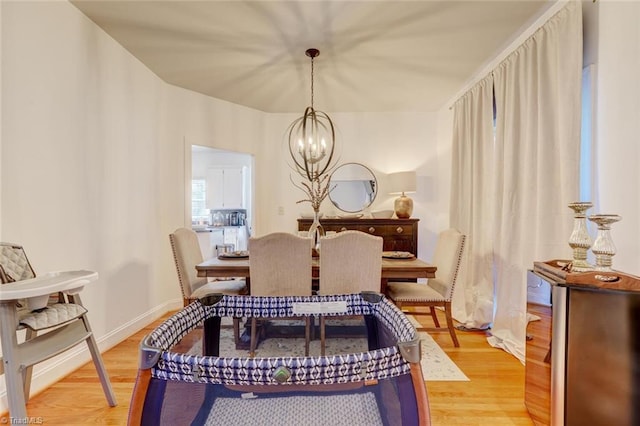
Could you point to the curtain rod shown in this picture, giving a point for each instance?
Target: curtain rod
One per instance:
(492, 65)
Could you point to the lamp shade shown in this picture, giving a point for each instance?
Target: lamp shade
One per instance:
(402, 182)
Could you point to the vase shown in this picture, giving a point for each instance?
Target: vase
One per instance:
(603, 247)
(580, 241)
(316, 231)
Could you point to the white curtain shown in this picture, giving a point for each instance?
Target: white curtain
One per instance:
(472, 205)
(510, 189)
(537, 94)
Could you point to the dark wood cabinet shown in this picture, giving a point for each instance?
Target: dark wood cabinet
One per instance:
(537, 389)
(583, 355)
(397, 234)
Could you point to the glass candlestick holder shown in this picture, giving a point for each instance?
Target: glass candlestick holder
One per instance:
(580, 241)
(603, 247)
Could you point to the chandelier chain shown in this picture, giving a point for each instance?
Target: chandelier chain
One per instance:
(311, 82)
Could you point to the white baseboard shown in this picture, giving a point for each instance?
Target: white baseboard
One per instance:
(49, 372)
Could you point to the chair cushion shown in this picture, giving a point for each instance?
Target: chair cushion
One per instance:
(224, 287)
(51, 316)
(413, 292)
(14, 264)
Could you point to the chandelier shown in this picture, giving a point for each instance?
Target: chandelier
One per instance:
(312, 142)
(312, 139)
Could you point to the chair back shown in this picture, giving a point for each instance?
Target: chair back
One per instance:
(187, 254)
(447, 257)
(350, 262)
(14, 265)
(280, 265)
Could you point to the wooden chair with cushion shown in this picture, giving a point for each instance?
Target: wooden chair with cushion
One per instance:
(280, 265)
(438, 291)
(49, 303)
(187, 254)
(350, 262)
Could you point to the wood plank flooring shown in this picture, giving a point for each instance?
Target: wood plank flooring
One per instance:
(493, 396)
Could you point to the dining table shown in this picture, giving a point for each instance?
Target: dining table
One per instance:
(395, 269)
(400, 269)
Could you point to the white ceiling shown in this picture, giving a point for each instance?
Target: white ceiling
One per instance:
(374, 55)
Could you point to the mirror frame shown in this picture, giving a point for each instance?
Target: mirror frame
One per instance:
(333, 186)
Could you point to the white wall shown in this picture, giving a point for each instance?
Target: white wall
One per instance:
(93, 164)
(618, 126)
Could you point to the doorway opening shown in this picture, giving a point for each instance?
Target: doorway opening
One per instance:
(221, 199)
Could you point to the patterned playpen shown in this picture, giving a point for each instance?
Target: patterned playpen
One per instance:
(382, 386)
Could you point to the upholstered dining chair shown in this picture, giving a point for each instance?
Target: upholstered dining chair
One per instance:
(60, 314)
(438, 291)
(350, 262)
(280, 265)
(186, 255)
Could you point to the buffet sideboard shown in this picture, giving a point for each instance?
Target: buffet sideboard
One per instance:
(397, 234)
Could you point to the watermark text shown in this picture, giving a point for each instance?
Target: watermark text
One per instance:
(22, 420)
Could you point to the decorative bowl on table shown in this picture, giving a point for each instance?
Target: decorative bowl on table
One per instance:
(382, 214)
(398, 255)
(350, 216)
(238, 254)
(310, 215)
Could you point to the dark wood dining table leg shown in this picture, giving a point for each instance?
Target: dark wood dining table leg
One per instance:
(383, 285)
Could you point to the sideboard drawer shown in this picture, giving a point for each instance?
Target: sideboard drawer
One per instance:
(384, 230)
(397, 234)
(333, 228)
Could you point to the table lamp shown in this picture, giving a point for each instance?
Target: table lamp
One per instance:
(403, 183)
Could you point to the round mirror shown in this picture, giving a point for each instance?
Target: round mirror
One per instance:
(353, 187)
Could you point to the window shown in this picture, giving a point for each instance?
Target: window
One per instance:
(199, 211)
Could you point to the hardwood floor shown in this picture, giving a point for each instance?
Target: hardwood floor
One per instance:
(493, 396)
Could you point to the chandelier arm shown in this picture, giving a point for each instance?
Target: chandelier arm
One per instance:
(333, 138)
(309, 126)
(298, 166)
(293, 156)
(309, 172)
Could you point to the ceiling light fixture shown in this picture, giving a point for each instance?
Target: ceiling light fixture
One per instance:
(312, 143)
(312, 137)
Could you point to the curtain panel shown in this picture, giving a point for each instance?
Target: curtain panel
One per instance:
(510, 191)
(471, 204)
(538, 108)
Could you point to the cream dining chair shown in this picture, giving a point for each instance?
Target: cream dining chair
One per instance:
(186, 255)
(350, 262)
(53, 323)
(438, 291)
(280, 265)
